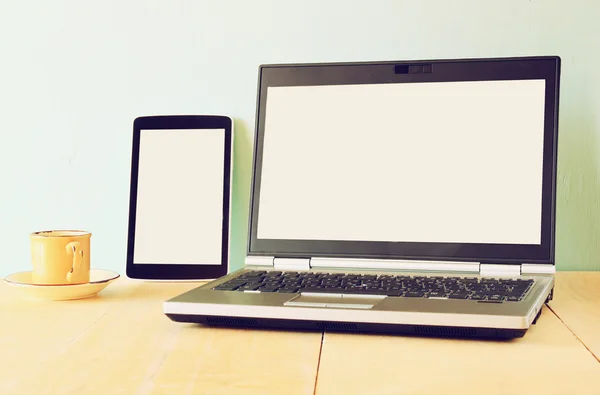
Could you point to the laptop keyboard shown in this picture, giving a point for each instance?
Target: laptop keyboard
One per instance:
(473, 288)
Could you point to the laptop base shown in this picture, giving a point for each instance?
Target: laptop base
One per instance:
(355, 327)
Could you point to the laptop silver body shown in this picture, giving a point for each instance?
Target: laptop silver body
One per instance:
(410, 177)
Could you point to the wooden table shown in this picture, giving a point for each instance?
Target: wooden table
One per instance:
(121, 343)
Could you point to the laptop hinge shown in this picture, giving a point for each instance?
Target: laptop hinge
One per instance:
(489, 269)
(394, 265)
(258, 260)
(537, 268)
(291, 263)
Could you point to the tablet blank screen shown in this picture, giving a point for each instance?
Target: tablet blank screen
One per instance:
(179, 206)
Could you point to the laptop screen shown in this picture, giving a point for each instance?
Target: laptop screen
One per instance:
(381, 168)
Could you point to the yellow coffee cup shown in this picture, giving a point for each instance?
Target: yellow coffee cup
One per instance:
(60, 256)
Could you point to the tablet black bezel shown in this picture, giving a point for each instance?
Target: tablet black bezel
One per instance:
(175, 271)
(540, 67)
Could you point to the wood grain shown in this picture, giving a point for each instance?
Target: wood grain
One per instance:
(577, 303)
(122, 343)
(33, 332)
(548, 360)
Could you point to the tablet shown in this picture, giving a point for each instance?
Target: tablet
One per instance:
(180, 197)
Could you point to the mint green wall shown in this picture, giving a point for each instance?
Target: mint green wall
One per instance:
(73, 76)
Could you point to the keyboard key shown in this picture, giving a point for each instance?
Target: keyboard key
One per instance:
(227, 287)
(249, 287)
(251, 278)
(395, 293)
(459, 296)
(320, 290)
(288, 290)
(414, 294)
(436, 294)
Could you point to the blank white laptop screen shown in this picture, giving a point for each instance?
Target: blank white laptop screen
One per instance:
(456, 162)
(179, 212)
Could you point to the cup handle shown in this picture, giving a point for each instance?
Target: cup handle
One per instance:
(75, 249)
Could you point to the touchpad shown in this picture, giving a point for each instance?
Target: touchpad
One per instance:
(335, 301)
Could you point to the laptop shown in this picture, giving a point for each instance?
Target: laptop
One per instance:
(409, 197)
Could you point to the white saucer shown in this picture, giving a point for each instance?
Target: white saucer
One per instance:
(99, 279)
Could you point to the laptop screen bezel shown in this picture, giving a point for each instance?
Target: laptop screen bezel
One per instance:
(546, 68)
